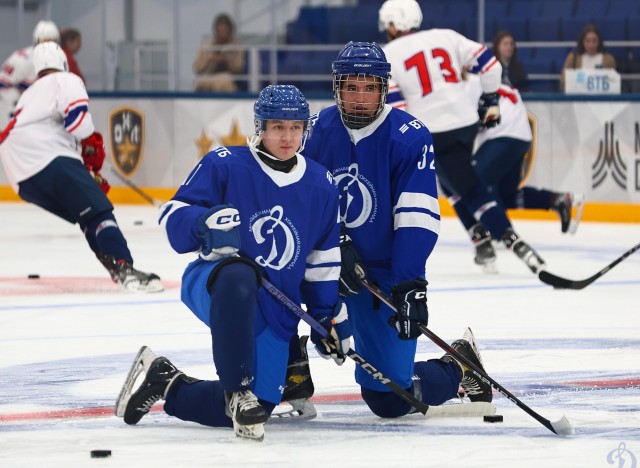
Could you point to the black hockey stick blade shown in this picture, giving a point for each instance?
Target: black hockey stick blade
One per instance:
(565, 283)
(560, 427)
(366, 365)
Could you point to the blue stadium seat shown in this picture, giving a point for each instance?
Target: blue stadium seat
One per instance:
(624, 8)
(591, 9)
(495, 9)
(615, 28)
(544, 29)
(538, 65)
(519, 27)
(570, 28)
(556, 8)
(432, 9)
(524, 9)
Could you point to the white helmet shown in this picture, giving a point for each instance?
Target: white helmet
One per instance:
(48, 55)
(404, 14)
(46, 31)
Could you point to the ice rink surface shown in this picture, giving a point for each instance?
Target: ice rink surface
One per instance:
(68, 338)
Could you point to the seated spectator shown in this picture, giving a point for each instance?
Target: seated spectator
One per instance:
(506, 51)
(216, 63)
(71, 41)
(589, 53)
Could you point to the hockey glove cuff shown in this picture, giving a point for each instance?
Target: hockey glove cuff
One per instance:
(93, 153)
(338, 344)
(352, 270)
(220, 234)
(489, 110)
(410, 299)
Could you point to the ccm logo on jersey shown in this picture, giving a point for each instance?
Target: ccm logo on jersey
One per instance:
(225, 219)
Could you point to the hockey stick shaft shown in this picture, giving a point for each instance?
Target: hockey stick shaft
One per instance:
(367, 366)
(136, 189)
(561, 427)
(564, 283)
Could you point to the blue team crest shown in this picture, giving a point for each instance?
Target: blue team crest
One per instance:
(126, 138)
(278, 237)
(357, 197)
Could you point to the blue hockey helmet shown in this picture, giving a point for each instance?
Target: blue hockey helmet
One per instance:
(280, 102)
(359, 60)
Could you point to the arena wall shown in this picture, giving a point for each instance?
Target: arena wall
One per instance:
(591, 147)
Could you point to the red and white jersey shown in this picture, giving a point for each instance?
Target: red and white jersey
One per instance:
(16, 75)
(51, 117)
(514, 122)
(426, 79)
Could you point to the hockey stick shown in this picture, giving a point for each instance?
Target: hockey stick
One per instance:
(370, 369)
(564, 283)
(137, 189)
(560, 427)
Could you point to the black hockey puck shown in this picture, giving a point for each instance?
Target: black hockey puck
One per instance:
(34, 276)
(100, 453)
(137, 223)
(494, 418)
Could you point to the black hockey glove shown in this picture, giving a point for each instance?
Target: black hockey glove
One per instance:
(220, 234)
(338, 344)
(352, 270)
(488, 110)
(410, 299)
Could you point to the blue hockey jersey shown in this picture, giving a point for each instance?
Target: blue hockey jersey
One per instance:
(387, 184)
(289, 225)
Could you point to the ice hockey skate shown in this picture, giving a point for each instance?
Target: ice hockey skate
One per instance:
(299, 388)
(475, 389)
(524, 251)
(247, 414)
(563, 204)
(485, 255)
(159, 375)
(129, 278)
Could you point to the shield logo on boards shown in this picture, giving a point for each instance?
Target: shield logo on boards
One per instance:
(126, 138)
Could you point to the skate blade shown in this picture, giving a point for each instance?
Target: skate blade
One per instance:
(490, 268)
(578, 204)
(141, 363)
(253, 432)
(302, 409)
(152, 286)
(462, 410)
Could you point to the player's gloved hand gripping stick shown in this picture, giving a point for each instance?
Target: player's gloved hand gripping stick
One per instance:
(560, 427)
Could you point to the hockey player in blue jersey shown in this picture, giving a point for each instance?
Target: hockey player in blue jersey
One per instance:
(249, 211)
(383, 161)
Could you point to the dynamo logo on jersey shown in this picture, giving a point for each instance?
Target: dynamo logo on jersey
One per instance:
(277, 234)
(357, 197)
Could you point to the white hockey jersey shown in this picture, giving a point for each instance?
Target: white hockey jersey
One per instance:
(51, 117)
(16, 75)
(514, 122)
(426, 69)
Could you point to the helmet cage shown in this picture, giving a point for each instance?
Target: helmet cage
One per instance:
(359, 60)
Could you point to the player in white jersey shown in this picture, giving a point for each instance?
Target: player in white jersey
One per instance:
(17, 72)
(52, 156)
(499, 156)
(249, 211)
(426, 67)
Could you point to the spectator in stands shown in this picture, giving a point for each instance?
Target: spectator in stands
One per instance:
(589, 53)
(71, 41)
(219, 58)
(506, 51)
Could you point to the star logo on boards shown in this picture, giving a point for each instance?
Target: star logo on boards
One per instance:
(234, 138)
